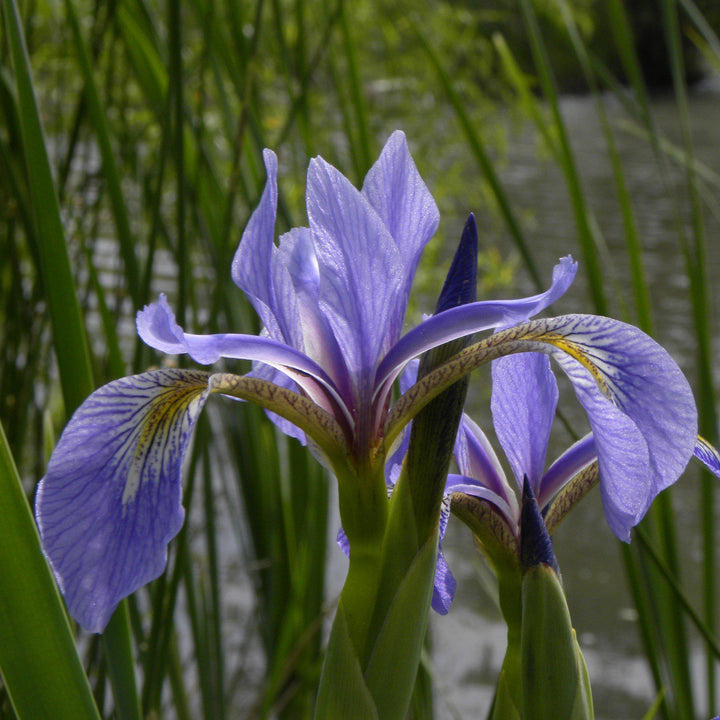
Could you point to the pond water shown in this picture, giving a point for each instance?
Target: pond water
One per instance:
(469, 643)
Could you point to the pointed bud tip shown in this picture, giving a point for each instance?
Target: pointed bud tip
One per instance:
(461, 282)
(535, 543)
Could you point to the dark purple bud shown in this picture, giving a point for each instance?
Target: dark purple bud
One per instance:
(535, 543)
(461, 282)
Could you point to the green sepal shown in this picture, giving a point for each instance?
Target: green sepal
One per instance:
(343, 693)
(395, 656)
(555, 684)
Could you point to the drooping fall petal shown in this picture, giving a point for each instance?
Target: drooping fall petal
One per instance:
(109, 503)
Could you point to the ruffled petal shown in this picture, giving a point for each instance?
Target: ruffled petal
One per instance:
(471, 318)
(524, 399)
(111, 499)
(395, 190)
(361, 276)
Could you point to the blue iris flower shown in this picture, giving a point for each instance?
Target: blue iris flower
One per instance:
(332, 299)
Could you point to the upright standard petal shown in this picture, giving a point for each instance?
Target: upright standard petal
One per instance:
(524, 398)
(297, 254)
(361, 282)
(251, 265)
(111, 499)
(255, 269)
(399, 196)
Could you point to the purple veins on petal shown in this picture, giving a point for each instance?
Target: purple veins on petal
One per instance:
(524, 399)
(640, 406)
(361, 281)
(110, 501)
(643, 381)
(397, 193)
(708, 455)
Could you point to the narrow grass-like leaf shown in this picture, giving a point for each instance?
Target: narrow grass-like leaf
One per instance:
(632, 239)
(38, 660)
(68, 330)
(70, 342)
(477, 147)
(121, 665)
(356, 92)
(110, 171)
(677, 589)
(586, 229)
(697, 264)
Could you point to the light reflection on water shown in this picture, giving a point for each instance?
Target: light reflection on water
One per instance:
(469, 643)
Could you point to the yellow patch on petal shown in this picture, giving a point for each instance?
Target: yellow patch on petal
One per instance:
(163, 416)
(576, 352)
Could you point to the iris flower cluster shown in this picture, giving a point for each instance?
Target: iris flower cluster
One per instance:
(332, 299)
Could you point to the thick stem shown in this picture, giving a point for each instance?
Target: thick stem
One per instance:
(363, 512)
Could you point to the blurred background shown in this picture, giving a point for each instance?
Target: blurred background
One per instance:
(583, 127)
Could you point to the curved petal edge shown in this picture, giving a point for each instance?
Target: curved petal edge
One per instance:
(110, 501)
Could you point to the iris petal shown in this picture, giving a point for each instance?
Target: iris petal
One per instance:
(640, 379)
(398, 194)
(258, 271)
(297, 254)
(627, 484)
(360, 269)
(708, 455)
(476, 459)
(111, 499)
(524, 398)
(473, 317)
(569, 464)
(156, 325)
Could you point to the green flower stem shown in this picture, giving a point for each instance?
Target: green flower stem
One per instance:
(501, 548)
(343, 692)
(510, 681)
(363, 512)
